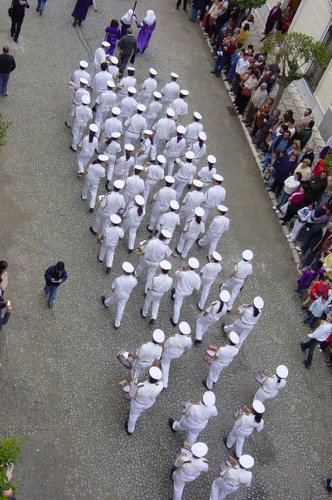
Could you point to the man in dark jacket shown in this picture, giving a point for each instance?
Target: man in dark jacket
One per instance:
(19, 7)
(128, 47)
(316, 187)
(5, 318)
(7, 65)
(54, 276)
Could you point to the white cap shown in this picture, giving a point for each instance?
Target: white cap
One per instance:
(184, 92)
(169, 179)
(246, 461)
(127, 267)
(199, 211)
(212, 159)
(139, 200)
(115, 110)
(153, 72)
(166, 234)
(129, 147)
(184, 328)
(174, 75)
(197, 115)
(86, 99)
(115, 135)
(158, 336)
(84, 81)
(190, 155)
(217, 177)
(282, 371)
(114, 60)
(131, 68)
(157, 95)
(202, 136)
(199, 450)
(155, 373)
(222, 208)
(174, 204)
(93, 127)
(115, 219)
(161, 159)
(147, 132)
(103, 158)
(138, 167)
(84, 64)
(193, 263)
(119, 184)
(247, 255)
(170, 112)
(258, 406)
(132, 90)
(197, 183)
(209, 398)
(164, 264)
(259, 302)
(224, 296)
(141, 107)
(180, 129)
(105, 44)
(217, 256)
(110, 83)
(234, 338)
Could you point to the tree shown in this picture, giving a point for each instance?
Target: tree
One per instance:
(253, 4)
(3, 130)
(10, 453)
(291, 52)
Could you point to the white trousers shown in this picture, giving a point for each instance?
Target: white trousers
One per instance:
(100, 116)
(202, 325)
(110, 168)
(77, 131)
(262, 395)
(241, 329)
(220, 489)
(170, 164)
(296, 229)
(151, 267)
(212, 239)
(115, 299)
(157, 143)
(182, 425)
(178, 301)
(108, 252)
(152, 299)
(165, 366)
(147, 188)
(88, 186)
(130, 138)
(179, 186)
(235, 438)
(234, 285)
(184, 245)
(156, 213)
(136, 409)
(214, 372)
(101, 222)
(178, 485)
(70, 118)
(83, 159)
(132, 231)
(206, 286)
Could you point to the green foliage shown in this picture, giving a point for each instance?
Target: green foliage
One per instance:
(245, 4)
(10, 453)
(3, 130)
(328, 162)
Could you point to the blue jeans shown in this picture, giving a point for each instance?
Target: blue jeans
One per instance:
(220, 63)
(282, 200)
(51, 291)
(4, 77)
(41, 5)
(193, 14)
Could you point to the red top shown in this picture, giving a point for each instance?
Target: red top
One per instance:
(318, 289)
(319, 167)
(297, 197)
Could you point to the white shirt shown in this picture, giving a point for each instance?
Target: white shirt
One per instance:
(192, 468)
(225, 355)
(186, 171)
(147, 393)
(247, 315)
(123, 286)
(114, 70)
(192, 200)
(106, 100)
(125, 83)
(219, 225)
(155, 172)
(88, 147)
(180, 107)
(199, 151)
(144, 148)
(112, 235)
(198, 415)
(100, 80)
(164, 196)
(242, 66)
(176, 345)
(128, 106)
(78, 94)
(242, 269)
(165, 128)
(171, 91)
(156, 251)
(78, 74)
(82, 115)
(153, 110)
(192, 131)
(322, 332)
(111, 125)
(132, 219)
(149, 86)
(161, 284)
(209, 272)
(113, 149)
(271, 385)
(148, 352)
(169, 221)
(100, 57)
(246, 424)
(95, 173)
(192, 229)
(112, 203)
(215, 196)
(214, 314)
(187, 282)
(136, 124)
(205, 174)
(175, 148)
(123, 166)
(134, 185)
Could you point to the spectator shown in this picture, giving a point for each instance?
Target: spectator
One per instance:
(54, 276)
(305, 133)
(306, 278)
(3, 277)
(248, 83)
(316, 310)
(316, 186)
(273, 17)
(5, 318)
(321, 333)
(7, 65)
(257, 100)
(304, 168)
(318, 289)
(291, 184)
(244, 34)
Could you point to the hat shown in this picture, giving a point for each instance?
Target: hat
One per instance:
(86, 99)
(282, 371)
(258, 407)
(110, 83)
(180, 129)
(197, 183)
(161, 159)
(222, 208)
(170, 112)
(147, 132)
(157, 95)
(84, 64)
(155, 373)
(115, 219)
(174, 75)
(139, 200)
(129, 147)
(119, 184)
(174, 205)
(127, 267)
(217, 177)
(138, 167)
(199, 211)
(199, 450)
(132, 90)
(184, 328)
(93, 127)
(103, 158)
(165, 265)
(234, 338)
(209, 398)
(105, 44)
(153, 72)
(217, 256)
(246, 461)
(202, 136)
(197, 115)
(247, 255)
(115, 135)
(212, 159)
(193, 263)
(184, 92)
(190, 155)
(169, 179)
(224, 296)
(166, 234)
(131, 68)
(84, 81)
(259, 302)
(158, 336)
(114, 60)
(141, 107)
(115, 110)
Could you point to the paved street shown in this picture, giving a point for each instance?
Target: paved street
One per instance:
(59, 373)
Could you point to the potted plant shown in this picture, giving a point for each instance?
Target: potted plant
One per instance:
(328, 163)
(10, 453)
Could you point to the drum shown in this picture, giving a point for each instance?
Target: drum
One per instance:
(209, 355)
(261, 376)
(125, 359)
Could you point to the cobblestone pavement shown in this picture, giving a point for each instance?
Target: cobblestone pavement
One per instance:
(58, 369)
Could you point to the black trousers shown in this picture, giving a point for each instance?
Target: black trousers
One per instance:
(16, 27)
(178, 4)
(311, 344)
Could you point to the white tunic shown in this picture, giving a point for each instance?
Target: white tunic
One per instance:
(82, 115)
(106, 100)
(100, 57)
(135, 124)
(218, 226)
(186, 172)
(196, 416)
(209, 272)
(149, 86)
(199, 151)
(114, 70)
(192, 131)
(174, 148)
(170, 92)
(187, 282)
(147, 354)
(134, 185)
(205, 174)
(242, 270)
(180, 108)
(161, 284)
(225, 355)
(246, 424)
(95, 173)
(164, 196)
(165, 128)
(122, 167)
(78, 74)
(168, 221)
(112, 235)
(147, 393)
(128, 106)
(192, 200)
(192, 229)
(124, 84)
(155, 173)
(176, 345)
(131, 218)
(156, 251)
(215, 196)
(152, 112)
(100, 81)
(271, 386)
(78, 94)
(111, 125)
(123, 286)
(112, 203)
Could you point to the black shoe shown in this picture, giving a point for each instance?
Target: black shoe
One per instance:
(150, 230)
(50, 305)
(225, 442)
(74, 23)
(108, 270)
(71, 147)
(213, 72)
(91, 210)
(16, 40)
(101, 261)
(173, 323)
(302, 346)
(170, 423)
(306, 364)
(67, 125)
(79, 23)
(116, 327)
(126, 427)
(92, 230)
(103, 298)
(37, 9)
(204, 383)
(173, 292)
(197, 342)
(177, 251)
(328, 484)
(152, 321)
(130, 250)
(141, 311)
(199, 307)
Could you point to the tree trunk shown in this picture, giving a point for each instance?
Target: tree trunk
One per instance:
(282, 86)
